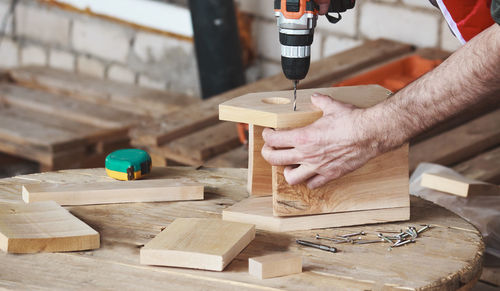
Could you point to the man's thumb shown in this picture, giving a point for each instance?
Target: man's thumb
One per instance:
(325, 103)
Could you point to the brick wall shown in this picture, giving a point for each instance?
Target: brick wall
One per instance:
(45, 35)
(41, 34)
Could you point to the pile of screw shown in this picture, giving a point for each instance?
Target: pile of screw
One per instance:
(401, 238)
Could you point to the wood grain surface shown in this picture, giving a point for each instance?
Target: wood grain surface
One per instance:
(445, 258)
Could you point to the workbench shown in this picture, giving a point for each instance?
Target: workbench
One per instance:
(446, 257)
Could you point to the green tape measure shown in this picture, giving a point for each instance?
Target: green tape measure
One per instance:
(128, 164)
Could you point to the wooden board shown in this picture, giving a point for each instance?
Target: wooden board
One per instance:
(274, 109)
(274, 265)
(330, 69)
(236, 158)
(447, 256)
(460, 143)
(43, 227)
(457, 185)
(260, 175)
(122, 96)
(483, 167)
(258, 210)
(114, 192)
(208, 244)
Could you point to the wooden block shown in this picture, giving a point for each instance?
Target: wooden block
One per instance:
(457, 185)
(259, 211)
(43, 227)
(148, 190)
(198, 243)
(259, 170)
(274, 265)
(381, 183)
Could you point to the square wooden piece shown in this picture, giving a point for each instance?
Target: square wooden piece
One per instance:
(198, 243)
(43, 227)
(275, 265)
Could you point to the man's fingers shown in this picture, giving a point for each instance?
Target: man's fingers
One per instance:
(280, 157)
(328, 105)
(317, 181)
(297, 175)
(280, 138)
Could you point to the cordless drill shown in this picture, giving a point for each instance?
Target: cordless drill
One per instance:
(296, 22)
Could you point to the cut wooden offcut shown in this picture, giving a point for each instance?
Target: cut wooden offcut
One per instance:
(259, 211)
(197, 243)
(43, 227)
(275, 265)
(457, 185)
(152, 190)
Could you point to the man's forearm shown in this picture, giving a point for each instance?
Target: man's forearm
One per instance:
(467, 77)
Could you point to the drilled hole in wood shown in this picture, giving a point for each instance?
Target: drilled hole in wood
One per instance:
(276, 100)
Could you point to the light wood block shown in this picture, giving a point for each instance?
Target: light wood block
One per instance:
(258, 210)
(259, 170)
(457, 185)
(275, 265)
(208, 244)
(380, 184)
(148, 190)
(43, 227)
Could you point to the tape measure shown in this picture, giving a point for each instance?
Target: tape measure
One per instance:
(128, 164)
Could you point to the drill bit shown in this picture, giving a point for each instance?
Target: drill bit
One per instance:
(295, 82)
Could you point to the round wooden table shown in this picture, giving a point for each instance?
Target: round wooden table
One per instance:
(446, 257)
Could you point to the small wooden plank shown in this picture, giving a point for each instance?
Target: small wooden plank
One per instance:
(195, 117)
(208, 244)
(460, 143)
(275, 265)
(381, 183)
(260, 174)
(274, 109)
(236, 158)
(127, 97)
(114, 192)
(259, 211)
(43, 227)
(66, 107)
(483, 167)
(457, 185)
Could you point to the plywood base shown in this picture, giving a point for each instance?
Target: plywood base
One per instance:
(259, 211)
(43, 227)
(148, 190)
(208, 244)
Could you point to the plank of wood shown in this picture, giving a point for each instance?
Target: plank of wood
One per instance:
(236, 158)
(127, 97)
(381, 183)
(274, 109)
(483, 167)
(460, 143)
(43, 227)
(65, 106)
(260, 175)
(196, 117)
(275, 265)
(114, 192)
(208, 244)
(258, 210)
(457, 185)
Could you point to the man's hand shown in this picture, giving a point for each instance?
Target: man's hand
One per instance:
(334, 145)
(323, 6)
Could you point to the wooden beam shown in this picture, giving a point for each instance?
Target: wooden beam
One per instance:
(460, 143)
(195, 117)
(150, 190)
(275, 265)
(208, 244)
(260, 174)
(43, 227)
(457, 185)
(259, 211)
(236, 158)
(484, 167)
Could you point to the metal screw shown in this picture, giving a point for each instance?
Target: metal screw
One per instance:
(426, 227)
(362, 242)
(402, 243)
(385, 238)
(316, 246)
(341, 240)
(353, 234)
